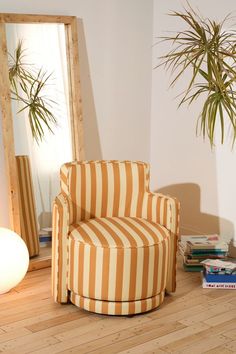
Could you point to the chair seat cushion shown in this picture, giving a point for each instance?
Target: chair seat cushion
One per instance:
(118, 259)
(118, 232)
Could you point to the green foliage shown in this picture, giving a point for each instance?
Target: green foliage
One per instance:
(27, 87)
(209, 52)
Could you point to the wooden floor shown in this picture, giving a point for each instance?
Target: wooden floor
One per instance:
(193, 320)
(43, 260)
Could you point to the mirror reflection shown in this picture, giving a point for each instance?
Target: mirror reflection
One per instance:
(38, 52)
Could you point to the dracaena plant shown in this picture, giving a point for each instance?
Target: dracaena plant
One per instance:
(208, 51)
(28, 86)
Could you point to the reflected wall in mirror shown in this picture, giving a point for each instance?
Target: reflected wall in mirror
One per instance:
(48, 54)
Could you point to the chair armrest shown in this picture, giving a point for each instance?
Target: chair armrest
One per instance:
(60, 230)
(163, 210)
(61, 215)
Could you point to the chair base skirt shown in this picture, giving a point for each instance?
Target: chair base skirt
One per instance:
(117, 307)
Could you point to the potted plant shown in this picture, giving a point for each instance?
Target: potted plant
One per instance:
(208, 52)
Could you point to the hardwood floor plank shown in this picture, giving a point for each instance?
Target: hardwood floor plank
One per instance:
(46, 334)
(177, 345)
(201, 346)
(85, 321)
(14, 295)
(68, 317)
(27, 346)
(6, 336)
(126, 338)
(194, 339)
(227, 297)
(157, 351)
(38, 318)
(219, 350)
(231, 346)
(231, 334)
(222, 329)
(209, 312)
(6, 307)
(170, 308)
(220, 319)
(44, 308)
(24, 306)
(106, 326)
(157, 343)
(233, 301)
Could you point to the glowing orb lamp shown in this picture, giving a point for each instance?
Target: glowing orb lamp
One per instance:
(14, 259)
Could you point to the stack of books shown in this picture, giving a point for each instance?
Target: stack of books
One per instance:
(219, 274)
(45, 237)
(195, 249)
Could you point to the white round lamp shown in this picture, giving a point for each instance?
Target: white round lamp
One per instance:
(14, 259)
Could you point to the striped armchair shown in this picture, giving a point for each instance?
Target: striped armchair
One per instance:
(114, 242)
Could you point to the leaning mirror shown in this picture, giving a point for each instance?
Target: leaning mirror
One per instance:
(41, 119)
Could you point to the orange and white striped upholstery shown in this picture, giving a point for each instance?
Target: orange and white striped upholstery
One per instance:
(114, 242)
(28, 219)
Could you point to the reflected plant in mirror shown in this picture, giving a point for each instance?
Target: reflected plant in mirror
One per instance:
(27, 87)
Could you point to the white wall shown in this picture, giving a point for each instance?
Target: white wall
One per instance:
(183, 164)
(115, 74)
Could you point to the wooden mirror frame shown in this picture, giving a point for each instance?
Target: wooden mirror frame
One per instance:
(75, 102)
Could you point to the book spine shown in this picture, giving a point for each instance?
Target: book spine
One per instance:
(198, 251)
(45, 244)
(219, 285)
(45, 238)
(219, 278)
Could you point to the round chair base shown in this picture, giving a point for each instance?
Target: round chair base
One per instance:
(117, 307)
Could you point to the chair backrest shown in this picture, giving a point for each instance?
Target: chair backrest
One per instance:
(104, 188)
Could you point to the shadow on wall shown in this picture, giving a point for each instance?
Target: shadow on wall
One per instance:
(192, 220)
(91, 135)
